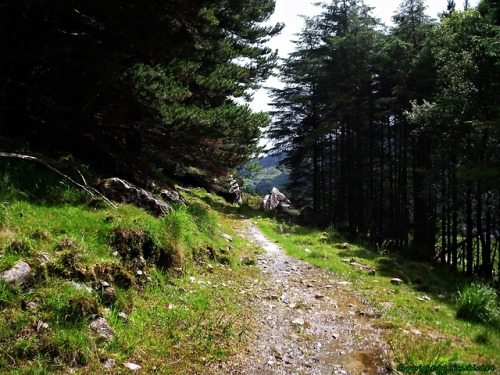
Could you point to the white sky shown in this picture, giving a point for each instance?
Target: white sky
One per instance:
(289, 11)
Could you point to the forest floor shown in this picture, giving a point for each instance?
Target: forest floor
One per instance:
(308, 320)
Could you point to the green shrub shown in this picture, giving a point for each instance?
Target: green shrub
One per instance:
(478, 303)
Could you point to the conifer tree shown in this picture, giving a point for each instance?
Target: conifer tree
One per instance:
(121, 82)
(464, 117)
(395, 136)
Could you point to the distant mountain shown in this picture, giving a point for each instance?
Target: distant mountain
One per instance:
(271, 175)
(269, 161)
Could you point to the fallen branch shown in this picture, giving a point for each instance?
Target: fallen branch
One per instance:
(85, 187)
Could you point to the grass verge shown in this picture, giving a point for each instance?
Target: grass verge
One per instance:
(167, 288)
(419, 317)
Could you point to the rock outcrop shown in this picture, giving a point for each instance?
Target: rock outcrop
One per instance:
(102, 329)
(272, 200)
(369, 270)
(121, 191)
(19, 276)
(229, 188)
(235, 189)
(277, 201)
(396, 281)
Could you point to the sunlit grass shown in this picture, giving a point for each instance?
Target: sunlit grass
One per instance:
(419, 316)
(478, 303)
(180, 313)
(173, 317)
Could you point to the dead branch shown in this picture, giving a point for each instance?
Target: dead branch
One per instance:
(85, 187)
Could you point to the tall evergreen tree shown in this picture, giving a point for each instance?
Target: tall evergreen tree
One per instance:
(450, 8)
(296, 118)
(396, 136)
(127, 81)
(334, 69)
(413, 81)
(464, 117)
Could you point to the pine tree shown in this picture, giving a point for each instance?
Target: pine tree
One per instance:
(413, 81)
(297, 116)
(120, 82)
(324, 117)
(464, 117)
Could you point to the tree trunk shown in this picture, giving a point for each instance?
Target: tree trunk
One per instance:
(454, 225)
(444, 217)
(469, 224)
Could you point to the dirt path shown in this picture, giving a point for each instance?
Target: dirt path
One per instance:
(309, 322)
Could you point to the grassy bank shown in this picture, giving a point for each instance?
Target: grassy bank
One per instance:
(175, 284)
(418, 317)
(180, 289)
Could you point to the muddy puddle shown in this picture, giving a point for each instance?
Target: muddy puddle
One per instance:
(309, 321)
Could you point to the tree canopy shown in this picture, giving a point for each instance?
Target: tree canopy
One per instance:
(156, 83)
(394, 133)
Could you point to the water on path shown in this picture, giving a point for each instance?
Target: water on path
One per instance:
(310, 322)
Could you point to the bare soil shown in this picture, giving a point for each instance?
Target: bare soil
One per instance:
(307, 321)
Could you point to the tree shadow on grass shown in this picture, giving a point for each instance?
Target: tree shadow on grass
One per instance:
(434, 280)
(238, 212)
(429, 278)
(357, 253)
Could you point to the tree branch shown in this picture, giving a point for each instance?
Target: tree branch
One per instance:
(85, 187)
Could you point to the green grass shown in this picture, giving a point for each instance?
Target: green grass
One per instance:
(24, 180)
(6, 294)
(419, 318)
(478, 303)
(183, 310)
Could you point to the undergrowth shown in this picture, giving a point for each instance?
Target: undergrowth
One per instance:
(478, 303)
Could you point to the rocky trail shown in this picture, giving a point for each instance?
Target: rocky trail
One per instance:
(308, 321)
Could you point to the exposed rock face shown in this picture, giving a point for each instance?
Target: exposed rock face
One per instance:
(277, 201)
(122, 191)
(369, 270)
(396, 281)
(140, 175)
(19, 276)
(228, 188)
(108, 293)
(226, 236)
(235, 189)
(172, 195)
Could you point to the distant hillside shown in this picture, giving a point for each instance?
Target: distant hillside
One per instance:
(270, 175)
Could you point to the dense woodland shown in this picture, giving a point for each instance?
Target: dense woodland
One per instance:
(395, 132)
(392, 135)
(134, 84)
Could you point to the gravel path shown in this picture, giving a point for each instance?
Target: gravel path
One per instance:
(309, 321)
